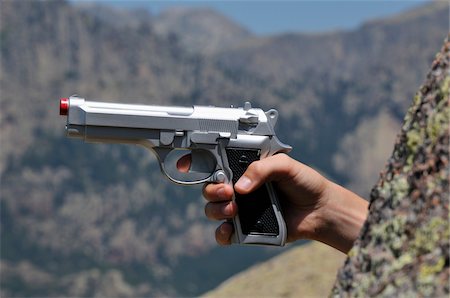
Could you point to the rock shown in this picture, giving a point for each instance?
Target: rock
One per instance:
(403, 248)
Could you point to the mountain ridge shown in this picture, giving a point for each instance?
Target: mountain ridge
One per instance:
(201, 30)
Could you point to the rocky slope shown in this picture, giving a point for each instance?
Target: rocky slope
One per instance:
(404, 245)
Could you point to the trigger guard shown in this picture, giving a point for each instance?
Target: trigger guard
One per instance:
(200, 171)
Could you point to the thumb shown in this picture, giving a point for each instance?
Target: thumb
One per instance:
(273, 168)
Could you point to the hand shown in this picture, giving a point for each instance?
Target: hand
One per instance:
(313, 207)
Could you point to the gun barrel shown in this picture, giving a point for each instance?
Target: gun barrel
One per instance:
(80, 112)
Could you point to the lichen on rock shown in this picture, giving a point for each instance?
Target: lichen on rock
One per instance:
(403, 248)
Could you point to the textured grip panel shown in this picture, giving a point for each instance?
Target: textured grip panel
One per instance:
(256, 212)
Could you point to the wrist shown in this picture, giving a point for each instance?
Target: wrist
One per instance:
(340, 218)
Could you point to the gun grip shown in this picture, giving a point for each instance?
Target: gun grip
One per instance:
(259, 219)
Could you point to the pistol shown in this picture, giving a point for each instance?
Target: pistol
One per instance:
(219, 143)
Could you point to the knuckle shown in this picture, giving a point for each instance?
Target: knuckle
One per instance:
(285, 164)
(255, 167)
(208, 192)
(213, 193)
(282, 158)
(212, 211)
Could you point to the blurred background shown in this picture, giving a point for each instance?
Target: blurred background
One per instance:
(100, 220)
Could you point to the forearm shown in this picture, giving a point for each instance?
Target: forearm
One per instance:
(341, 221)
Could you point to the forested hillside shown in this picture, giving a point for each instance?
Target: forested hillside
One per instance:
(82, 219)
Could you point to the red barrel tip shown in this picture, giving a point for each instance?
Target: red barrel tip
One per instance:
(63, 106)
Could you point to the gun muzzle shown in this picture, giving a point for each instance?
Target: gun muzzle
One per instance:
(63, 106)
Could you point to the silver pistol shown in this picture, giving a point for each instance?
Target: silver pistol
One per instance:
(219, 142)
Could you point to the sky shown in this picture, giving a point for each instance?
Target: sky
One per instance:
(273, 17)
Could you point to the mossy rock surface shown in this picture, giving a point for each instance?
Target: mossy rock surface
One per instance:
(403, 248)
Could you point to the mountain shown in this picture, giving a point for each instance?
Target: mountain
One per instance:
(88, 219)
(200, 30)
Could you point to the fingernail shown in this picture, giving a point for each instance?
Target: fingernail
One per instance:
(243, 183)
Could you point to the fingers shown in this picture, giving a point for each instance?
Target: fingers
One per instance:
(220, 210)
(218, 192)
(223, 233)
(274, 168)
(184, 163)
(220, 207)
